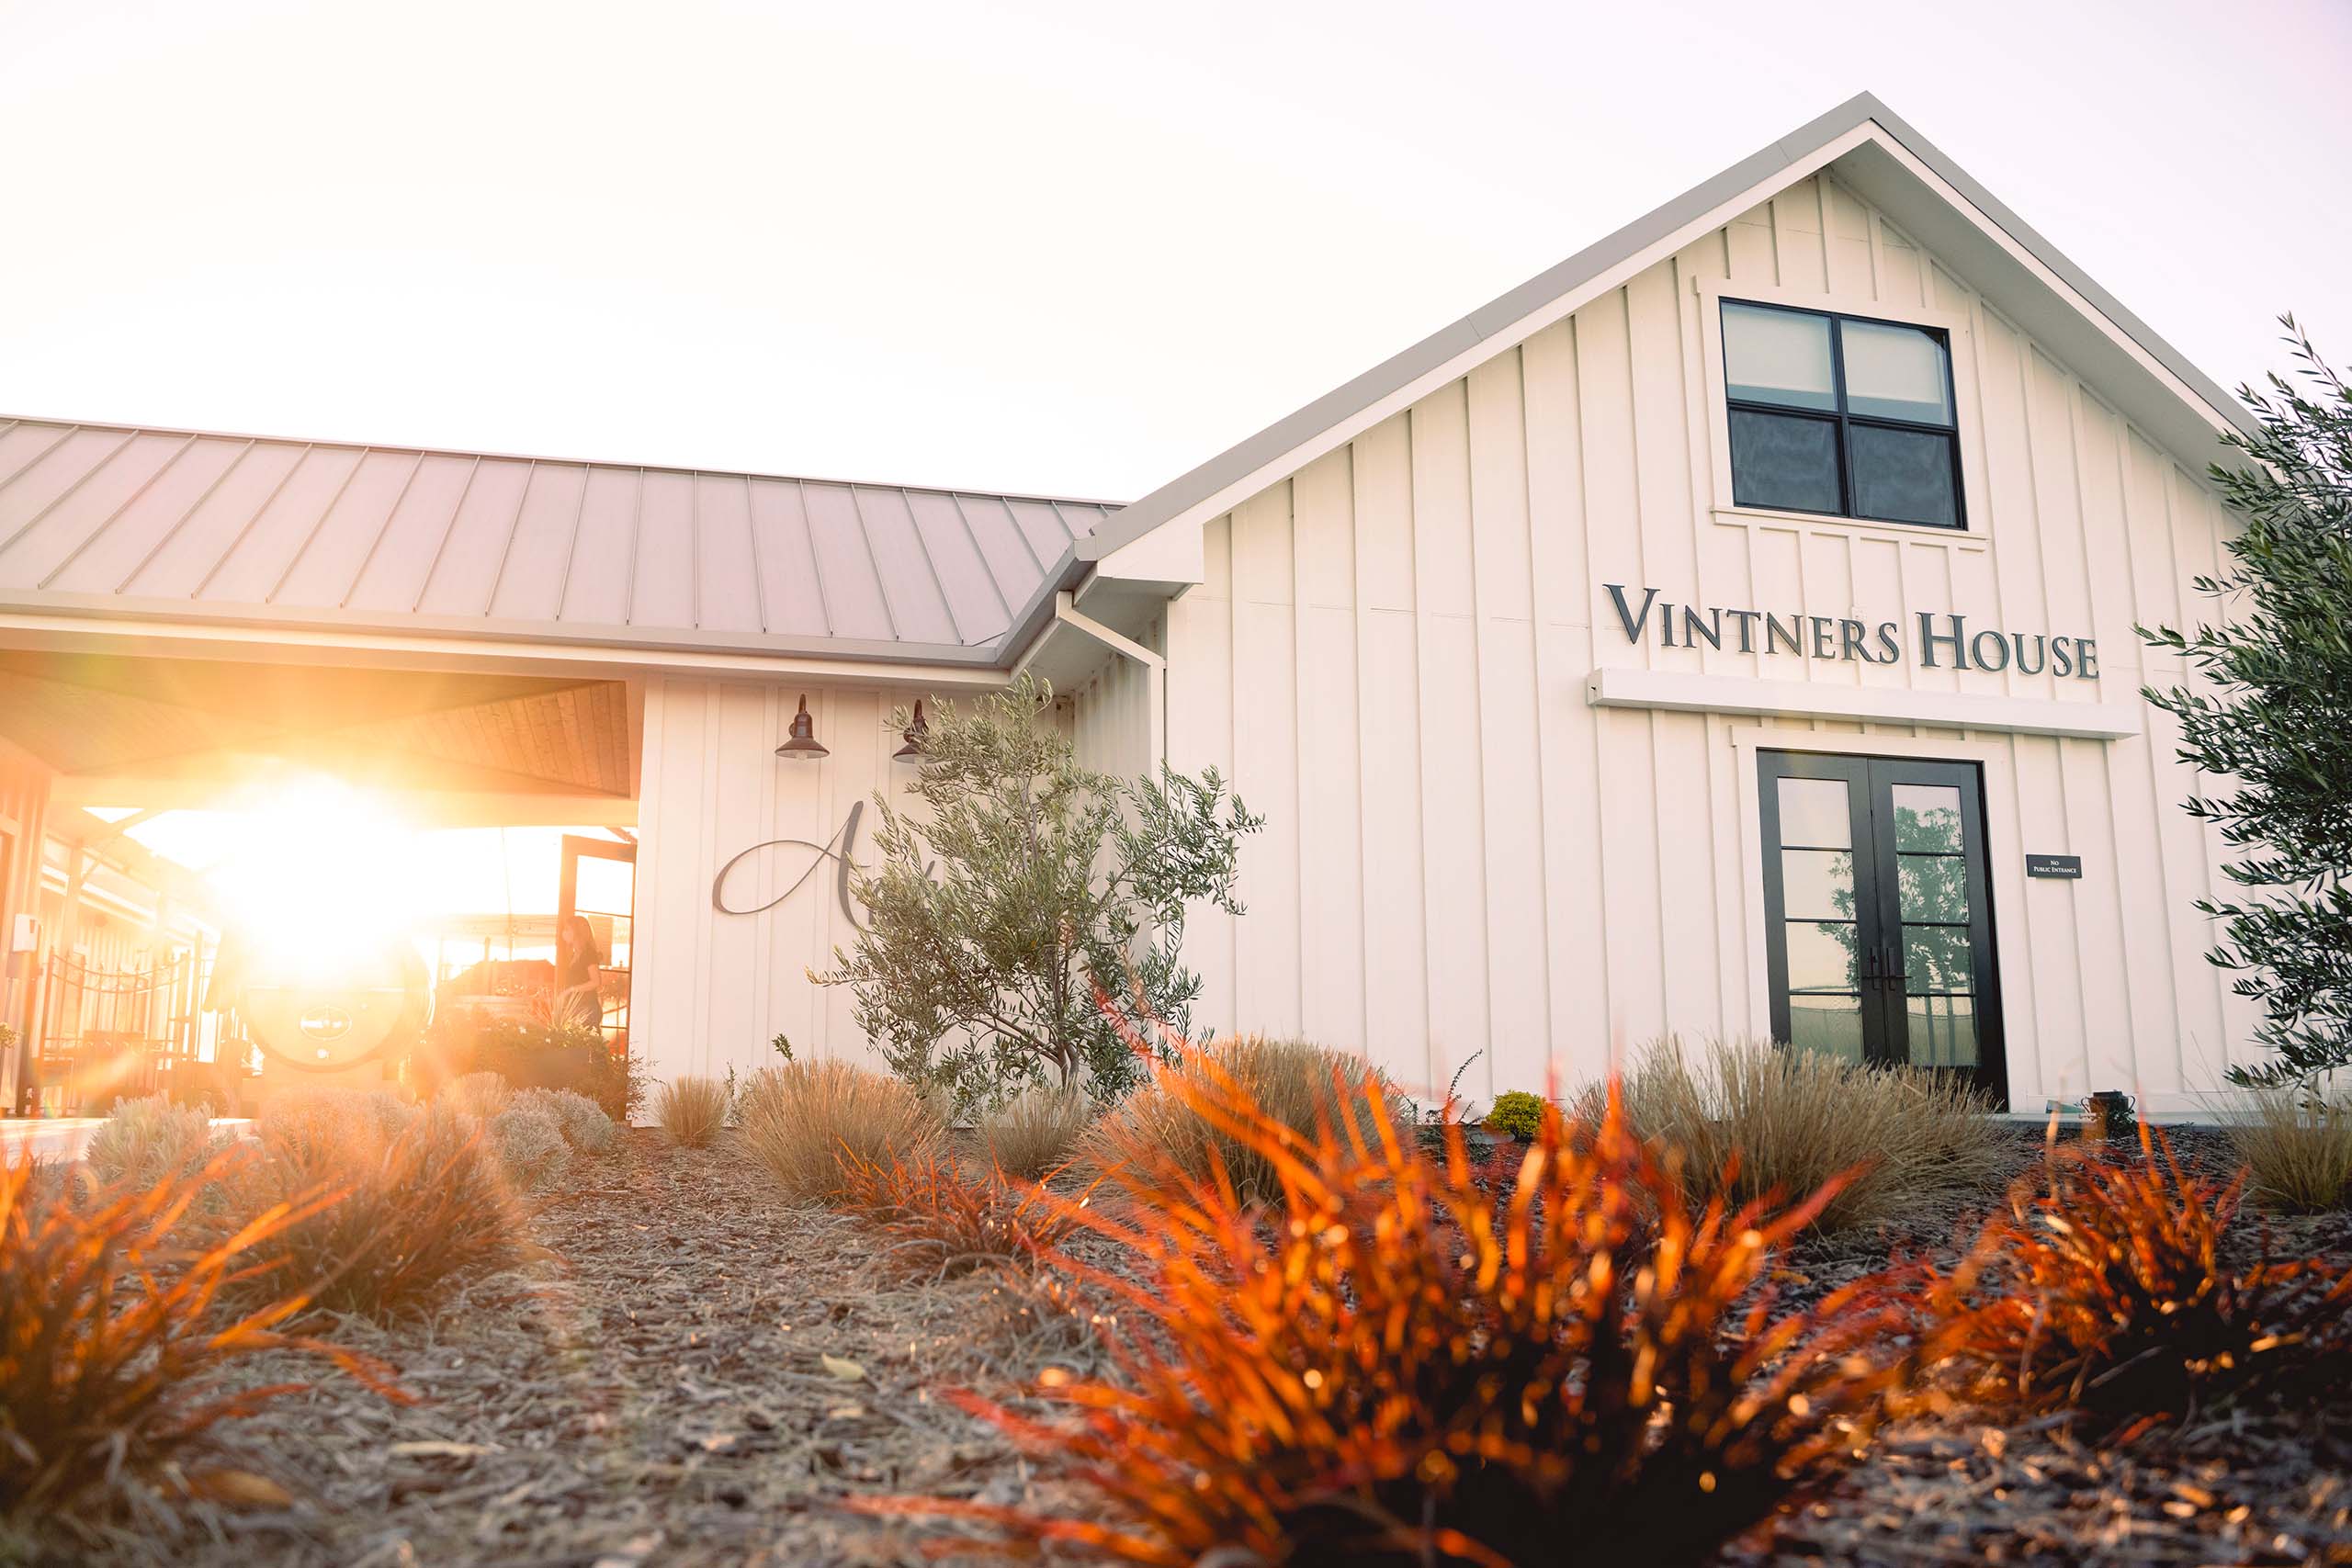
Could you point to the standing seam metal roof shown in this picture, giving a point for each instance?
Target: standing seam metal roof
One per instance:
(129, 518)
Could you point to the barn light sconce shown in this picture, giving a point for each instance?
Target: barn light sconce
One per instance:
(915, 733)
(801, 745)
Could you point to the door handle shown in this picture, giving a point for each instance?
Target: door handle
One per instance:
(1891, 972)
(1869, 969)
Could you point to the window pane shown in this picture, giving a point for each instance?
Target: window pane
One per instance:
(1818, 885)
(1941, 1029)
(1784, 460)
(1927, 819)
(1934, 958)
(1832, 1025)
(1895, 373)
(1935, 887)
(1814, 813)
(604, 886)
(1821, 955)
(1900, 476)
(1778, 356)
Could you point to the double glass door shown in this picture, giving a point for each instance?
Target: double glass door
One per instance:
(1879, 911)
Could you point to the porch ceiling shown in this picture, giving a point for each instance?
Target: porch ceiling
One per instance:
(178, 723)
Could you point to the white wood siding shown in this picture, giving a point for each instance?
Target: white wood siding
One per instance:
(1389, 654)
(712, 989)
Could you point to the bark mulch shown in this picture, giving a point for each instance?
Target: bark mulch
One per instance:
(694, 1372)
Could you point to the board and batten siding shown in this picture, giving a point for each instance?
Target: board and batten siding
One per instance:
(711, 989)
(1464, 857)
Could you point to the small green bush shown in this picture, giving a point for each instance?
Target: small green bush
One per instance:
(1517, 1114)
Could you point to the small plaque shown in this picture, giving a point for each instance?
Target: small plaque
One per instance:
(2069, 867)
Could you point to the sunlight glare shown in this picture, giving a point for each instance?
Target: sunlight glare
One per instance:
(324, 878)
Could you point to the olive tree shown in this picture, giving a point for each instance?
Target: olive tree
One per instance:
(1026, 887)
(2270, 720)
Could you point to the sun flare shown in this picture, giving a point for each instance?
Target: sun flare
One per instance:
(324, 878)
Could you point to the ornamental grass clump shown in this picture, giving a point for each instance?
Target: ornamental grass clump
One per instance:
(420, 1202)
(476, 1094)
(1751, 1121)
(690, 1111)
(584, 1124)
(1035, 1131)
(1391, 1366)
(1294, 1083)
(940, 1221)
(115, 1355)
(533, 1154)
(2100, 1288)
(807, 1121)
(2297, 1149)
(146, 1141)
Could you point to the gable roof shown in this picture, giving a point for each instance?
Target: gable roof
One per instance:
(1887, 161)
(146, 524)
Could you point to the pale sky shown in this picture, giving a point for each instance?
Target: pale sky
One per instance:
(1070, 248)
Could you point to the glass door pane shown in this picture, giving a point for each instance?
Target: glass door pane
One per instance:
(1820, 906)
(1938, 970)
(1879, 935)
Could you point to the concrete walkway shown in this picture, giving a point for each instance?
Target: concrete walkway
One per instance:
(64, 1138)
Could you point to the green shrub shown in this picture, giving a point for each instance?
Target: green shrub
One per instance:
(146, 1141)
(1026, 900)
(1515, 1115)
(575, 1056)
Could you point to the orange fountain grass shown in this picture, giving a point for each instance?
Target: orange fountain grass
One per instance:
(2101, 1286)
(1412, 1358)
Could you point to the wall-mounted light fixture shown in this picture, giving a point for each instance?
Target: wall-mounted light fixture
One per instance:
(912, 750)
(801, 745)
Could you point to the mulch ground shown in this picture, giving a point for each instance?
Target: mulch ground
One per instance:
(694, 1372)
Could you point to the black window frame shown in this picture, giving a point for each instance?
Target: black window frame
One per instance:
(1843, 420)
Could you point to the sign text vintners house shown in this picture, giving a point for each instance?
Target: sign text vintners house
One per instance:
(1938, 640)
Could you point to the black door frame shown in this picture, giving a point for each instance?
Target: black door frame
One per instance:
(1880, 962)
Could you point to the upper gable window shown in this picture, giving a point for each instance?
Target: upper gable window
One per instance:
(1842, 415)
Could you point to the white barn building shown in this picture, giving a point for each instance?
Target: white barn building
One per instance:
(1727, 633)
